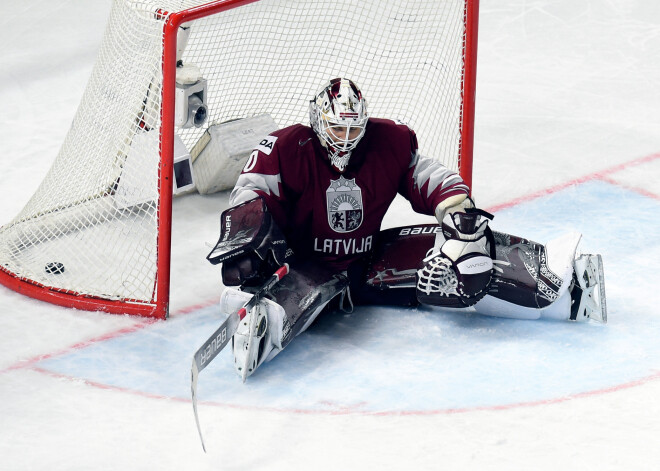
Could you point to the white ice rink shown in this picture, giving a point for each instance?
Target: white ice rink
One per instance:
(567, 138)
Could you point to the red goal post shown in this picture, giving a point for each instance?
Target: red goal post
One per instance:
(96, 234)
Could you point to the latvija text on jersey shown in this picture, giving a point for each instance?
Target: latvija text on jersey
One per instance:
(342, 246)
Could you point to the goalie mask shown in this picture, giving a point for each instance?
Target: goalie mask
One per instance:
(338, 115)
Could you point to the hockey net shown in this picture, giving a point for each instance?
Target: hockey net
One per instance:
(95, 234)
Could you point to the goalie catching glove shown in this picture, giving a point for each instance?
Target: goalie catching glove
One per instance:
(460, 273)
(251, 245)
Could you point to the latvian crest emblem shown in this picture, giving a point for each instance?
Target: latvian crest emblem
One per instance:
(344, 203)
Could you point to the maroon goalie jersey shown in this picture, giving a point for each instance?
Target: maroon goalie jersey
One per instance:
(334, 216)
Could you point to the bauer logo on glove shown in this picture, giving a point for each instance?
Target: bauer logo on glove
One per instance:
(460, 273)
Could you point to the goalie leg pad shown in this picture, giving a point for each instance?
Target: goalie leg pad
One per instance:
(531, 274)
(583, 300)
(304, 293)
(549, 282)
(495, 307)
(296, 301)
(398, 254)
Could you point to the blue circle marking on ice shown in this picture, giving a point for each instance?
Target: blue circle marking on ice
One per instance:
(395, 360)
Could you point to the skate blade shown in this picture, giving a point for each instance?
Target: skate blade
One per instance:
(595, 303)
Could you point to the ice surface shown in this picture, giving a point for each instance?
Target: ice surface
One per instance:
(567, 138)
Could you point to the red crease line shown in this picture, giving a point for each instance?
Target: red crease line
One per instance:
(601, 174)
(343, 410)
(108, 336)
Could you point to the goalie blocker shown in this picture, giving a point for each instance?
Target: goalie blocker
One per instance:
(251, 246)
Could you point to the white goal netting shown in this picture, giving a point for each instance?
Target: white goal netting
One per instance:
(92, 227)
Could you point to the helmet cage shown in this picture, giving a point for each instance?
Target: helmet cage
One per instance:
(336, 113)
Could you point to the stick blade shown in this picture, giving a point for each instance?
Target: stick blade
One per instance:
(194, 374)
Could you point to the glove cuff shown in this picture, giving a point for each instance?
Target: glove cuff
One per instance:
(456, 203)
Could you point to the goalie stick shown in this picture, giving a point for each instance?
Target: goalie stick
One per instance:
(221, 337)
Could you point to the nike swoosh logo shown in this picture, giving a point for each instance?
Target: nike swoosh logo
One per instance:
(302, 143)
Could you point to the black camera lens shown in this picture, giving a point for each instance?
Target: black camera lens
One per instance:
(197, 111)
(200, 116)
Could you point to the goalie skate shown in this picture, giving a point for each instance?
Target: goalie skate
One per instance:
(588, 289)
(258, 336)
(249, 341)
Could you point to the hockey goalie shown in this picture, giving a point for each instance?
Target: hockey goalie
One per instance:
(315, 196)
